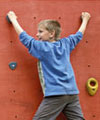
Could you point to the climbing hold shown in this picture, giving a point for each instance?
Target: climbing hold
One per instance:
(92, 86)
(12, 65)
(8, 19)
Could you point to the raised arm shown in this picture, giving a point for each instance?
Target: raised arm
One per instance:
(13, 19)
(85, 18)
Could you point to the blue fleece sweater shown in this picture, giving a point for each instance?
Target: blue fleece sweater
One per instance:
(55, 70)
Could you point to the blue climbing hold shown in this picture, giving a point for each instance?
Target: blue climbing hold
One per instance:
(13, 65)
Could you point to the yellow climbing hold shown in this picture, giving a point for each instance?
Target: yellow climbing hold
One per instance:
(92, 86)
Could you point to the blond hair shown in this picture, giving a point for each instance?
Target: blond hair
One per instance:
(52, 25)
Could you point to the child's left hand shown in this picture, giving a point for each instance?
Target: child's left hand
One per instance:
(12, 16)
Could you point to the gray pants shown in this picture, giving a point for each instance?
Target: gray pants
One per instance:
(52, 106)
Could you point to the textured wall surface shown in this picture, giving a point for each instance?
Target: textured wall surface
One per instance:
(20, 91)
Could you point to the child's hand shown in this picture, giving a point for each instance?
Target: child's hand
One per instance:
(12, 16)
(85, 16)
(13, 19)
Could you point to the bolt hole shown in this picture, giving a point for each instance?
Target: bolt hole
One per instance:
(11, 41)
(14, 91)
(59, 17)
(34, 17)
(15, 116)
(94, 116)
(89, 65)
(86, 41)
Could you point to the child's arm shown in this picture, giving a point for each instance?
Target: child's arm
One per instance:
(85, 18)
(13, 19)
(35, 47)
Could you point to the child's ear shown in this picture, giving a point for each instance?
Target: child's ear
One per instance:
(52, 34)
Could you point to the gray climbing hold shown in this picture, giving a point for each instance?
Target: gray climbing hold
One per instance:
(8, 19)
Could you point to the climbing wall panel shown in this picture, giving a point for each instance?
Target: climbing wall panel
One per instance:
(20, 90)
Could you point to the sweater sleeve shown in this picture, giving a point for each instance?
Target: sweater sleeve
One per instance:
(74, 39)
(34, 46)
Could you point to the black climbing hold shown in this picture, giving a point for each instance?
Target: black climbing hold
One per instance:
(8, 19)
(12, 65)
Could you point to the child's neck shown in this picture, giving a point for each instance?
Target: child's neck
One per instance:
(52, 40)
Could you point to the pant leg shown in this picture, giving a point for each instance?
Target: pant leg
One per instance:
(72, 110)
(50, 108)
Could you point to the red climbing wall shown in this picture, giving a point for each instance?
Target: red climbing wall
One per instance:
(20, 91)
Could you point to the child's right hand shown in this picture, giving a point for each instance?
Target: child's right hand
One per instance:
(12, 16)
(85, 16)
